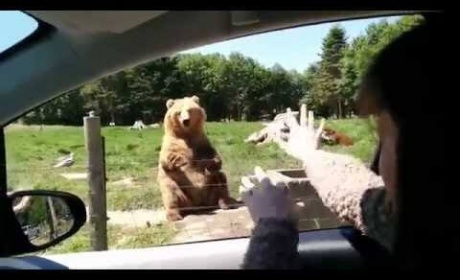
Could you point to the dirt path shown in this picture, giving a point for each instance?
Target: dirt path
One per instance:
(216, 225)
(136, 218)
(221, 224)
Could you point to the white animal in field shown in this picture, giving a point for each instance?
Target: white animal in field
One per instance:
(155, 125)
(139, 125)
(65, 161)
(274, 131)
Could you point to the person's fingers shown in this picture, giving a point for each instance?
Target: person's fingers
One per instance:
(303, 115)
(242, 189)
(260, 174)
(266, 182)
(311, 120)
(291, 121)
(245, 195)
(281, 184)
(245, 189)
(246, 182)
(262, 177)
(320, 129)
(284, 136)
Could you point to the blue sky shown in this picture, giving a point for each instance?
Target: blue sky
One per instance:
(292, 48)
(14, 26)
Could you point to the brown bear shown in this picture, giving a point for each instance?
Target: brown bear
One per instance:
(189, 173)
(335, 137)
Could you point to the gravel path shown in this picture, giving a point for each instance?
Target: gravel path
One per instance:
(216, 225)
(134, 218)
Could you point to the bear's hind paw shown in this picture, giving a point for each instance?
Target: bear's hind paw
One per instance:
(173, 216)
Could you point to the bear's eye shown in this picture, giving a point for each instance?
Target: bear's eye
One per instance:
(176, 113)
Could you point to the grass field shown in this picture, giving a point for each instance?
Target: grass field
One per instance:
(118, 237)
(32, 152)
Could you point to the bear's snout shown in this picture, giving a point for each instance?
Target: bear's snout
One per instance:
(186, 123)
(185, 118)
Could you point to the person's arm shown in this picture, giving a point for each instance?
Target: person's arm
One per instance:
(353, 192)
(273, 245)
(274, 240)
(345, 185)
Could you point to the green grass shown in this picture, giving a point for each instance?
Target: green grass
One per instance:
(118, 238)
(362, 132)
(31, 153)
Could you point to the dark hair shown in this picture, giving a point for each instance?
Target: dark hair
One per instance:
(406, 80)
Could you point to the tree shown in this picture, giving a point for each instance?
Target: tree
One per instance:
(360, 53)
(201, 75)
(326, 91)
(235, 87)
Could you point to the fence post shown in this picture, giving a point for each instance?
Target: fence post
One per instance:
(96, 180)
(50, 219)
(53, 218)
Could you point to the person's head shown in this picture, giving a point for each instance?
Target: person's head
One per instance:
(403, 90)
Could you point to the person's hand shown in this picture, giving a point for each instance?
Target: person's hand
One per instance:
(303, 138)
(269, 199)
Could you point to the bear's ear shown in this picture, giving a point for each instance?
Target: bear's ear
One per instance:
(169, 103)
(196, 99)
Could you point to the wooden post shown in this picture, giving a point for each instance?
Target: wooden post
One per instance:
(96, 180)
(53, 222)
(49, 218)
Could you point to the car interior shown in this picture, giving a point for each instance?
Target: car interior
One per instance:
(70, 48)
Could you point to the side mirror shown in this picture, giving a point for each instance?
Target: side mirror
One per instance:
(47, 217)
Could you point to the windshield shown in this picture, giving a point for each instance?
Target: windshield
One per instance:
(15, 26)
(241, 85)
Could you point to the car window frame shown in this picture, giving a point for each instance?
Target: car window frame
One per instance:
(43, 30)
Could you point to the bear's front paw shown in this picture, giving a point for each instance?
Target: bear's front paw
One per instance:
(214, 164)
(176, 160)
(229, 203)
(223, 204)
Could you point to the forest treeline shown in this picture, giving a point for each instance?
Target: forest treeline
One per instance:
(235, 87)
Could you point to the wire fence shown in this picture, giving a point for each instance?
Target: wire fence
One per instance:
(136, 216)
(135, 207)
